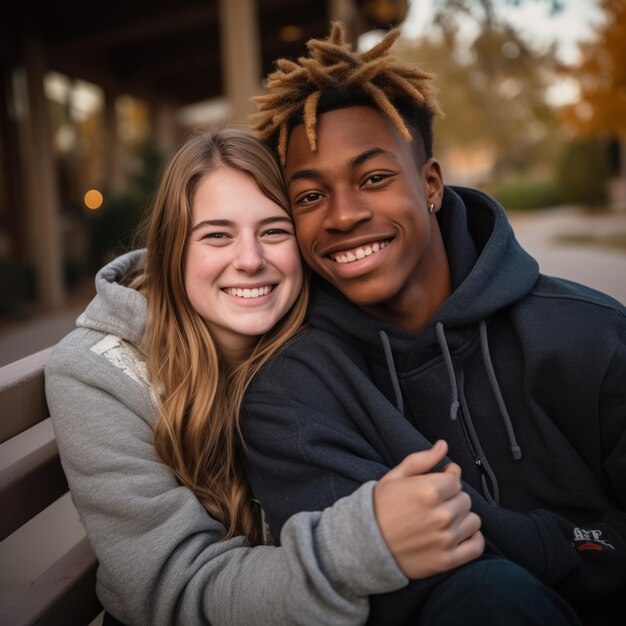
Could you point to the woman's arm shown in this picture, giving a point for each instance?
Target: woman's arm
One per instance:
(161, 556)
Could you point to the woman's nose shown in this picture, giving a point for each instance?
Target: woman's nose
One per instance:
(250, 255)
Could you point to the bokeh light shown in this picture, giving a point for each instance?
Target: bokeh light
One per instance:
(93, 199)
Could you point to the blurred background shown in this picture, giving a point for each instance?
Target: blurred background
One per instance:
(94, 97)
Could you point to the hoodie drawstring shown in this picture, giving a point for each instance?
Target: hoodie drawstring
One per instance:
(447, 359)
(516, 451)
(391, 368)
(457, 401)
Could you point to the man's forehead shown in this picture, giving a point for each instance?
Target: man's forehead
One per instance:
(342, 134)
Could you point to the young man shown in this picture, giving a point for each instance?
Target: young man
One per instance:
(428, 321)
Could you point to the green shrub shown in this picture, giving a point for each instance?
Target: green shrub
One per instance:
(528, 195)
(584, 171)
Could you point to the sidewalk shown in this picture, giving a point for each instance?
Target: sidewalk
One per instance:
(20, 339)
(602, 268)
(28, 337)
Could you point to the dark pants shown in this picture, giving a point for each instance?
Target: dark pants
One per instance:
(495, 592)
(491, 591)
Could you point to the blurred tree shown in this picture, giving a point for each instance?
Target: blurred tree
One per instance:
(492, 89)
(602, 78)
(485, 12)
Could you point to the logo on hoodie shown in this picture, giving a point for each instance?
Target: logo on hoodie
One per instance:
(590, 539)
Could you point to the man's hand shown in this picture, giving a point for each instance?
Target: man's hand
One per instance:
(425, 517)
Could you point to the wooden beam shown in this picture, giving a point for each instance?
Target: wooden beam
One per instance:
(29, 485)
(22, 394)
(64, 594)
(135, 30)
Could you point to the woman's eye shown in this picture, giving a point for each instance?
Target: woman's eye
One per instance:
(215, 236)
(276, 235)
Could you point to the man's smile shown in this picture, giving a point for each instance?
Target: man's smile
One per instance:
(358, 253)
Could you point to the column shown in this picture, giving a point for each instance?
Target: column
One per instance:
(41, 184)
(241, 55)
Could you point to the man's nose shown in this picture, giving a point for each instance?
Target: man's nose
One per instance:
(250, 255)
(345, 211)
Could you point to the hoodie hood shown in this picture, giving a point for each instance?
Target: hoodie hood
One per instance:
(117, 310)
(503, 272)
(489, 271)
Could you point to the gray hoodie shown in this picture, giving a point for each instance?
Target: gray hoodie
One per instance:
(162, 558)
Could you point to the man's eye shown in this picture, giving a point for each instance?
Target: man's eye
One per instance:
(313, 196)
(375, 178)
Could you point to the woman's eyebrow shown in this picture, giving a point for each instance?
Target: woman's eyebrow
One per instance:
(230, 224)
(274, 219)
(226, 223)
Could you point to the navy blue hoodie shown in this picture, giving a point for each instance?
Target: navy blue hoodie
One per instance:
(524, 376)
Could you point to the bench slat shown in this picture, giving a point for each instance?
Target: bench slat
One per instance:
(22, 394)
(29, 485)
(64, 594)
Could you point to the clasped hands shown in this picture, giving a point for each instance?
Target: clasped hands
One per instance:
(425, 517)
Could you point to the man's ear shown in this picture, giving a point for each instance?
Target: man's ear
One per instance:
(432, 179)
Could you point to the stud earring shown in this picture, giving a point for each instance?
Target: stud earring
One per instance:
(431, 208)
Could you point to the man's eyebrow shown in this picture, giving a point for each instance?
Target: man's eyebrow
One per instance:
(359, 159)
(302, 174)
(355, 161)
(230, 224)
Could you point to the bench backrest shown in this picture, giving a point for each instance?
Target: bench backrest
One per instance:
(64, 593)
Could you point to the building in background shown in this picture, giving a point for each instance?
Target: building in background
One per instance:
(93, 96)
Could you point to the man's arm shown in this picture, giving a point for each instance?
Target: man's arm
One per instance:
(306, 448)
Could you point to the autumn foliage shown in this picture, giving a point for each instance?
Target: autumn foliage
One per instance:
(602, 77)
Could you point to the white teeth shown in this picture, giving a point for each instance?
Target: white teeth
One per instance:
(359, 253)
(249, 293)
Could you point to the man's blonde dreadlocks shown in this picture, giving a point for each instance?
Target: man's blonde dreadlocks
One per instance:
(295, 88)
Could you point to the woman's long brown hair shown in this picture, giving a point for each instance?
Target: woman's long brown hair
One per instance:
(199, 398)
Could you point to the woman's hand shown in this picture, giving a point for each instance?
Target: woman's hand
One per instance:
(425, 517)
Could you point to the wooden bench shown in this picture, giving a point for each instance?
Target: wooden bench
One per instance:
(64, 593)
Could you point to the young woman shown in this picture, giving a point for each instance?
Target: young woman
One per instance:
(144, 398)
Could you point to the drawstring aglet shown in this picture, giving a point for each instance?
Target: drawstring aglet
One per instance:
(454, 410)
